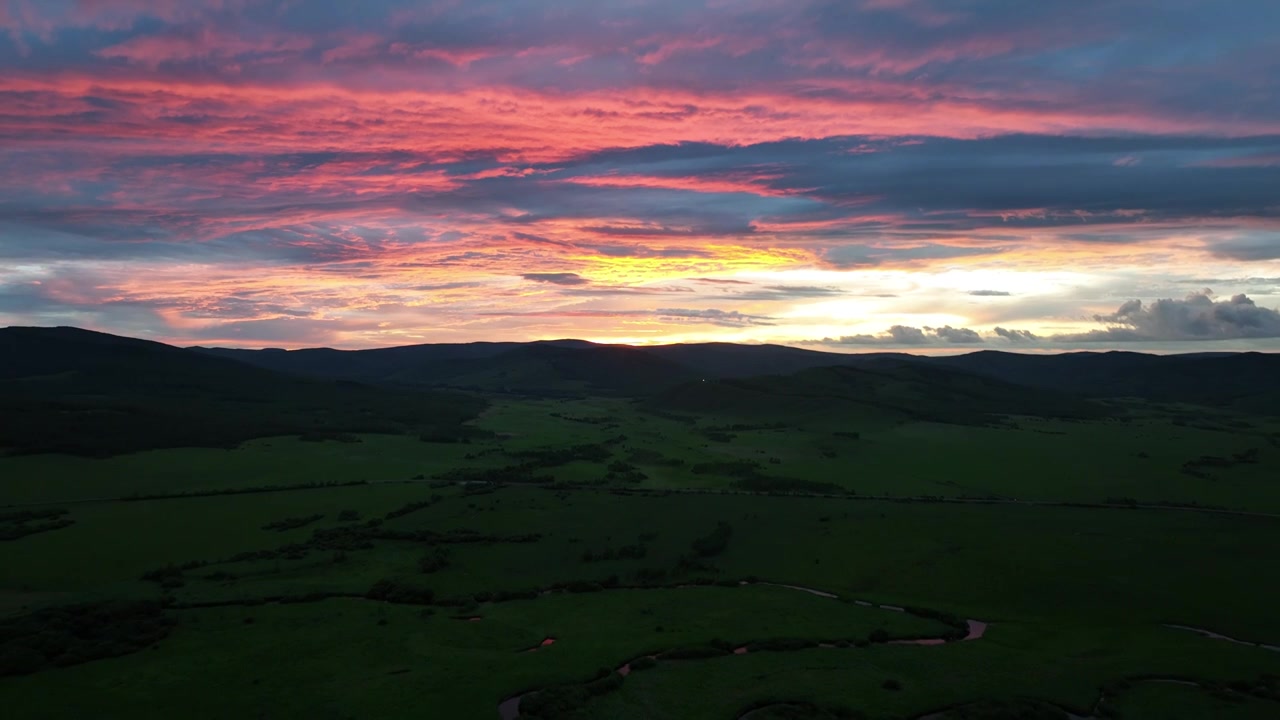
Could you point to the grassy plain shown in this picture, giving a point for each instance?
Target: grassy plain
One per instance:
(1077, 597)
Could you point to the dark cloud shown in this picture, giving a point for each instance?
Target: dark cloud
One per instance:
(708, 228)
(907, 335)
(788, 292)
(646, 252)
(956, 336)
(437, 287)
(728, 318)
(896, 335)
(1086, 53)
(1249, 249)
(989, 293)
(1006, 181)
(1016, 336)
(899, 335)
(884, 207)
(561, 278)
(1197, 317)
(622, 290)
(1203, 282)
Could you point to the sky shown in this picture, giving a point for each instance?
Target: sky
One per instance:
(849, 175)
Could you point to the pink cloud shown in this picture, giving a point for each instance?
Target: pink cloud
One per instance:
(201, 43)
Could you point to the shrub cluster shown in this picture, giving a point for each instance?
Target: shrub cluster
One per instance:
(292, 523)
(75, 634)
(564, 701)
(19, 524)
(715, 542)
(626, 552)
(397, 592)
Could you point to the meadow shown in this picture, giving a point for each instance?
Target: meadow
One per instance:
(392, 575)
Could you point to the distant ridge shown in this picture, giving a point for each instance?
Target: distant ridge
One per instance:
(568, 367)
(1245, 381)
(108, 382)
(88, 393)
(1248, 381)
(890, 391)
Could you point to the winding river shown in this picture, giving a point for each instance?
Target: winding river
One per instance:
(509, 709)
(1219, 636)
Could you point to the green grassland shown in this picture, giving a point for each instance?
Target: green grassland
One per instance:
(1065, 671)
(344, 658)
(1181, 702)
(345, 584)
(1026, 458)
(268, 462)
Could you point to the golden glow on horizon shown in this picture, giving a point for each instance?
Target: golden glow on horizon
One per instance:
(619, 299)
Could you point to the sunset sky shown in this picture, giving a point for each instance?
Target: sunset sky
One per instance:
(851, 175)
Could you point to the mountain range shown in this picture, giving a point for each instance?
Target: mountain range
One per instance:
(72, 390)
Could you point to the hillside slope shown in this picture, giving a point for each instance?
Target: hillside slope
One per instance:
(894, 391)
(551, 368)
(87, 393)
(1248, 382)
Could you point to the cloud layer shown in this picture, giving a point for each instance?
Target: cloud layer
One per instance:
(291, 173)
(1197, 318)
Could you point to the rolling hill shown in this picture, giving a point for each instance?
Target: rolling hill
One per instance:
(891, 391)
(551, 367)
(87, 393)
(77, 391)
(1248, 382)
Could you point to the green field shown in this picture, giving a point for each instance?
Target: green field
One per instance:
(387, 576)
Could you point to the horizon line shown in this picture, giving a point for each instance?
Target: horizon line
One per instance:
(913, 351)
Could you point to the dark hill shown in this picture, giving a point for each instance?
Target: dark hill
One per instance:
(554, 370)
(727, 360)
(550, 368)
(1248, 382)
(555, 367)
(87, 393)
(909, 386)
(369, 365)
(1243, 381)
(892, 391)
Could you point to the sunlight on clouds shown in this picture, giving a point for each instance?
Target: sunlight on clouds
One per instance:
(316, 183)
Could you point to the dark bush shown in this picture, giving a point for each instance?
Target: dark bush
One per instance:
(1007, 710)
(329, 435)
(21, 523)
(644, 663)
(781, 645)
(765, 483)
(412, 507)
(715, 542)
(291, 523)
(391, 591)
(434, 561)
(695, 653)
(75, 634)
